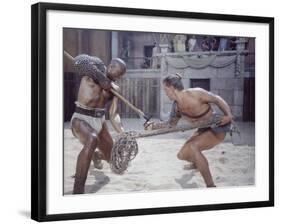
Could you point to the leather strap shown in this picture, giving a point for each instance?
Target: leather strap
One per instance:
(96, 112)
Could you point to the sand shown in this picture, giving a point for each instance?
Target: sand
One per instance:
(156, 167)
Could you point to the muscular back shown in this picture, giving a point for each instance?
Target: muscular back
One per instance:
(91, 94)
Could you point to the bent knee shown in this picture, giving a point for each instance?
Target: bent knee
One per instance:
(188, 151)
(185, 155)
(92, 140)
(180, 155)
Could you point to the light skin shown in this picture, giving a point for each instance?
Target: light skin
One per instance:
(91, 94)
(194, 102)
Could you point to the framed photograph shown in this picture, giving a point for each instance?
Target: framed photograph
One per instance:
(139, 111)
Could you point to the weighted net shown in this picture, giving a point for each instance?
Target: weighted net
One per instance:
(124, 150)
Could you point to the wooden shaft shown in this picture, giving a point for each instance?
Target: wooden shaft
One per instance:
(68, 56)
(211, 123)
(128, 103)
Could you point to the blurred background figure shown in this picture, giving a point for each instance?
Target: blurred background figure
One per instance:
(179, 43)
(191, 43)
(222, 44)
(155, 62)
(232, 44)
(214, 42)
(205, 44)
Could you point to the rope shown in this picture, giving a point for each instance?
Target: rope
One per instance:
(234, 129)
(124, 150)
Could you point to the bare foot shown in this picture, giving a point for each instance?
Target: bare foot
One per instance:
(98, 164)
(97, 160)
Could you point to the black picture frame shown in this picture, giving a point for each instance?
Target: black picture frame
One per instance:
(39, 112)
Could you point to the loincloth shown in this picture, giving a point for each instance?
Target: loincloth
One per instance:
(95, 117)
(220, 129)
(217, 129)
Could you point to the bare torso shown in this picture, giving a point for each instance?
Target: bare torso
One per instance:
(91, 94)
(192, 104)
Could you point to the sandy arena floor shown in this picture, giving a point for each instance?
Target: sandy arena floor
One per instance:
(156, 167)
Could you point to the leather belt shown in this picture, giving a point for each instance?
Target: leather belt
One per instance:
(95, 112)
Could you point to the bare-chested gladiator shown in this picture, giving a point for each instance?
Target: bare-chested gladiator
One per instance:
(88, 121)
(194, 105)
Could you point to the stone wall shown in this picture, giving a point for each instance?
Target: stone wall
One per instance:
(223, 82)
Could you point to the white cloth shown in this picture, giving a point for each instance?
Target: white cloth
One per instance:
(94, 122)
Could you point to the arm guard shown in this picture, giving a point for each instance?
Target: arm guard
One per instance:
(92, 67)
(175, 115)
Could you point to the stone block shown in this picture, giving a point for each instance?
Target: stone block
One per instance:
(226, 72)
(238, 97)
(217, 83)
(227, 95)
(205, 73)
(227, 83)
(172, 70)
(237, 112)
(186, 83)
(237, 83)
(216, 92)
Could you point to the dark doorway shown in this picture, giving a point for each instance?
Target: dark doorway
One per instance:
(147, 51)
(249, 99)
(70, 89)
(201, 83)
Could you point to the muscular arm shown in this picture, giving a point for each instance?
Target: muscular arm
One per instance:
(93, 68)
(208, 97)
(113, 115)
(174, 118)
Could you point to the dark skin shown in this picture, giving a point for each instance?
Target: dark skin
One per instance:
(91, 95)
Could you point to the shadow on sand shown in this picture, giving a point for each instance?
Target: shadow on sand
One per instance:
(100, 180)
(183, 181)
